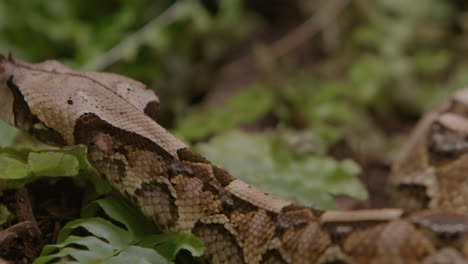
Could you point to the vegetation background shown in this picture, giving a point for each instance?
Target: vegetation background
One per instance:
(304, 99)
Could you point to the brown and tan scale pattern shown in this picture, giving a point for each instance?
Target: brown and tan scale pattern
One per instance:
(298, 246)
(255, 230)
(221, 246)
(434, 162)
(182, 191)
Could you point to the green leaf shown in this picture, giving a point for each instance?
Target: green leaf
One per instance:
(53, 164)
(7, 134)
(81, 255)
(22, 164)
(80, 153)
(16, 152)
(108, 243)
(135, 254)
(98, 248)
(11, 168)
(120, 210)
(242, 108)
(430, 61)
(367, 76)
(5, 214)
(100, 228)
(169, 244)
(313, 178)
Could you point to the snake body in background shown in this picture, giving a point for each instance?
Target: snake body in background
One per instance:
(183, 192)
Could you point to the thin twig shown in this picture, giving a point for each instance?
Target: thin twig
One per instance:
(244, 70)
(315, 24)
(301, 34)
(135, 39)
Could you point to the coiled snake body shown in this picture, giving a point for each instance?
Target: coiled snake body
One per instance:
(181, 191)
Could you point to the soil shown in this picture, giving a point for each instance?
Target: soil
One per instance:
(41, 210)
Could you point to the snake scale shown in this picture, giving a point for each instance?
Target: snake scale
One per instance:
(183, 192)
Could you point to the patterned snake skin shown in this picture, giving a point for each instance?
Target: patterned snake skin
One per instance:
(183, 192)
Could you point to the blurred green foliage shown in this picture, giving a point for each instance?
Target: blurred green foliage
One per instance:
(8, 134)
(170, 44)
(200, 123)
(308, 180)
(408, 48)
(363, 79)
